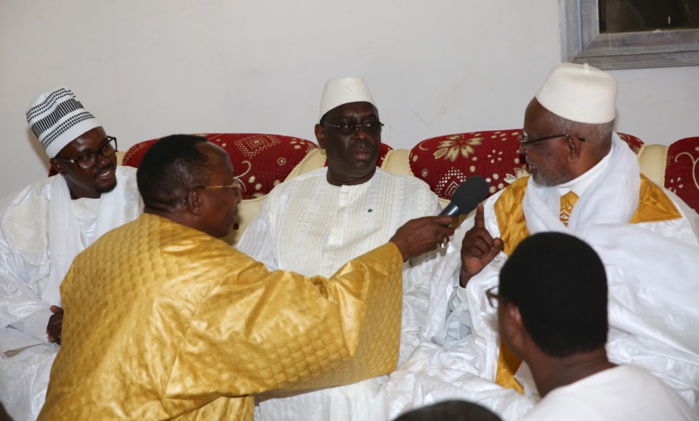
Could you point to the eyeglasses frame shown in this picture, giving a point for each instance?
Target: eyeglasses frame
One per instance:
(490, 295)
(525, 142)
(96, 153)
(237, 184)
(354, 127)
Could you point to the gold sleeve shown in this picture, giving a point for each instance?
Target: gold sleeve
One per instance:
(257, 330)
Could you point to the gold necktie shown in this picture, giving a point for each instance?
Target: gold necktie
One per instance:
(568, 200)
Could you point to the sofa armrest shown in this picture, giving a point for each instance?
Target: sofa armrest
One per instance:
(312, 161)
(652, 160)
(396, 162)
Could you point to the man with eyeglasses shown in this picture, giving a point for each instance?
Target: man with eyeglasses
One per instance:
(318, 221)
(585, 181)
(165, 321)
(42, 228)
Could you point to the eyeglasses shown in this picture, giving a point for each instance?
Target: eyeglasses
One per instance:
(522, 139)
(89, 160)
(371, 127)
(493, 297)
(236, 185)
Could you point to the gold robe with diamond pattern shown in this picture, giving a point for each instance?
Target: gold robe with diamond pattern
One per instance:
(163, 321)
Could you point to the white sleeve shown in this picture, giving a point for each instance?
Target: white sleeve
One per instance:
(257, 240)
(20, 307)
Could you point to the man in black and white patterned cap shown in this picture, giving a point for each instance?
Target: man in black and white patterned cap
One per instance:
(42, 228)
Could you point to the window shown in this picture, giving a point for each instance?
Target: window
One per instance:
(625, 34)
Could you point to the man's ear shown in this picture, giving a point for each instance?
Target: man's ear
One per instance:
(194, 202)
(57, 166)
(574, 148)
(320, 136)
(512, 327)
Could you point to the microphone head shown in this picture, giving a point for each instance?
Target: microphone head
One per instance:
(469, 194)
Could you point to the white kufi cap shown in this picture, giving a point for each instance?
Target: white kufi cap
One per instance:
(343, 91)
(57, 118)
(579, 92)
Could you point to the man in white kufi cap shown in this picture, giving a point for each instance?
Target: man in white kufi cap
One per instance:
(42, 228)
(314, 223)
(584, 181)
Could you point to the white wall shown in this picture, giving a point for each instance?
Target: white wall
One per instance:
(152, 68)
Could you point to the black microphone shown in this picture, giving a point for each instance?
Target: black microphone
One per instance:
(467, 196)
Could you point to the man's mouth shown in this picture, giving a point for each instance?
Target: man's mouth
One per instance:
(105, 173)
(361, 152)
(530, 165)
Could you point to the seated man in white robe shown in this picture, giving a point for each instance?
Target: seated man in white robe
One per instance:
(316, 222)
(552, 312)
(584, 181)
(42, 228)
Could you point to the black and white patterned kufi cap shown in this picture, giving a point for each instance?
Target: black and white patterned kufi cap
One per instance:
(57, 118)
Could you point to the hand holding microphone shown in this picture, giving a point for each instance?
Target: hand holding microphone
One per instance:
(420, 235)
(478, 248)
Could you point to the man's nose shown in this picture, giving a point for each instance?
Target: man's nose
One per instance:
(361, 133)
(102, 161)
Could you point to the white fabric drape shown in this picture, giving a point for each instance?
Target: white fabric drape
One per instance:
(65, 234)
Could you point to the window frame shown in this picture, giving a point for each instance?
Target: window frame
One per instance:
(583, 43)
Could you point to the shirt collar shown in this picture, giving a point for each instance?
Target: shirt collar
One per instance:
(582, 182)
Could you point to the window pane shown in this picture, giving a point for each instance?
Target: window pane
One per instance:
(647, 15)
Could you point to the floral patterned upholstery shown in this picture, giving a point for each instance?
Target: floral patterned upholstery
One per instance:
(682, 170)
(634, 143)
(445, 162)
(261, 161)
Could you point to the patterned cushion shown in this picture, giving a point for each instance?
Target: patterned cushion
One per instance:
(682, 170)
(634, 143)
(261, 161)
(445, 162)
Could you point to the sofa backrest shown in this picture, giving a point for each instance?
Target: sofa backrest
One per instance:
(261, 161)
(444, 162)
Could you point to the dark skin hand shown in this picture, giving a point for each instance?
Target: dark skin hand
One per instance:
(421, 235)
(478, 248)
(53, 330)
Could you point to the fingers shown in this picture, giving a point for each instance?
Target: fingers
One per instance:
(55, 325)
(479, 219)
(497, 247)
(423, 234)
(445, 219)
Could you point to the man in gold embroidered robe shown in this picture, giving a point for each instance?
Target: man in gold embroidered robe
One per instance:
(646, 236)
(163, 320)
